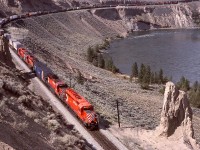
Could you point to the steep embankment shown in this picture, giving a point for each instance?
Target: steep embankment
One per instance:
(27, 121)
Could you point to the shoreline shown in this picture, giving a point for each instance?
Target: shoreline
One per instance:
(127, 76)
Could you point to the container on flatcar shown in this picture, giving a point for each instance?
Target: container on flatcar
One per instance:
(32, 14)
(17, 45)
(4, 20)
(11, 40)
(39, 12)
(7, 36)
(45, 12)
(41, 70)
(13, 17)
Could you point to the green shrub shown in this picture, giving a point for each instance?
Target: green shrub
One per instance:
(183, 84)
(162, 90)
(194, 95)
(134, 70)
(142, 72)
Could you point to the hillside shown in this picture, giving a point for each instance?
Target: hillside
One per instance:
(61, 40)
(15, 6)
(27, 121)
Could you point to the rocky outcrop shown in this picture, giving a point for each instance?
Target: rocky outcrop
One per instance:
(177, 115)
(153, 17)
(4, 146)
(5, 56)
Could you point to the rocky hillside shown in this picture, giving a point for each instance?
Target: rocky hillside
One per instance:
(137, 18)
(61, 40)
(152, 17)
(15, 6)
(27, 121)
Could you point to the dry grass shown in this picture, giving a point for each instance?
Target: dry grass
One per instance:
(69, 141)
(20, 126)
(31, 114)
(53, 124)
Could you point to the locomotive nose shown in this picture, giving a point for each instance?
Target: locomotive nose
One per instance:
(90, 117)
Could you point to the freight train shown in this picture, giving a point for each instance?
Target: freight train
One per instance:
(102, 5)
(78, 104)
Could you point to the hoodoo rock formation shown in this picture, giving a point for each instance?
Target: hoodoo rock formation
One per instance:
(176, 116)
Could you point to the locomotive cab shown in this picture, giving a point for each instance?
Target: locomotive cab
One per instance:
(91, 119)
(83, 109)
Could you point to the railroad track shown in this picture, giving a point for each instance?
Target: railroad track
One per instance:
(103, 141)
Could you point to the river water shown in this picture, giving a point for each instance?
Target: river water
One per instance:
(177, 52)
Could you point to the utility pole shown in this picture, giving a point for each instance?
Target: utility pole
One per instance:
(118, 113)
(70, 80)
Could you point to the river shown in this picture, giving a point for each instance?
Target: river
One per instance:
(177, 52)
